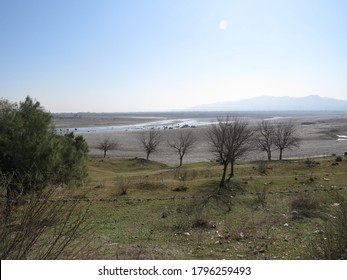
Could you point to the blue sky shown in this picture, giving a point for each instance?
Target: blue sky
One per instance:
(138, 55)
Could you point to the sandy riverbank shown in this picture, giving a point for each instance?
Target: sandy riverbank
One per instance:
(318, 135)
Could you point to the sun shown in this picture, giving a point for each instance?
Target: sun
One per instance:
(223, 24)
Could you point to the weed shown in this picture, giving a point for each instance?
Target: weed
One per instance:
(310, 163)
(40, 229)
(262, 167)
(181, 174)
(123, 186)
(338, 159)
(149, 184)
(332, 244)
(202, 221)
(261, 195)
(181, 188)
(305, 206)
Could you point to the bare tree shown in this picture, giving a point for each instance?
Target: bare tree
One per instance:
(107, 144)
(151, 142)
(229, 139)
(217, 138)
(264, 138)
(183, 144)
(240, 141)
(284, 137)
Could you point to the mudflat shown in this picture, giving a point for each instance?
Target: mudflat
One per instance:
(93, 119)
(319, 133)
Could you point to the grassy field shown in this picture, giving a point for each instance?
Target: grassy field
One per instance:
(269, 210)
(141, 209)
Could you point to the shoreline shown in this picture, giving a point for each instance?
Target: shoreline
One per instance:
(318, 135)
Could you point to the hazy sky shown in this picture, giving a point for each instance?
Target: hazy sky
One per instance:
(138, 55)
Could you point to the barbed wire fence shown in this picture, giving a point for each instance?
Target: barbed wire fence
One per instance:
(192, 197)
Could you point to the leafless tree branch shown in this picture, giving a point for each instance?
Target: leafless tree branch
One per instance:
(264, 138)
(284, 137)
(107, 144)
(229, 140)
(183, 144)
(151, 142)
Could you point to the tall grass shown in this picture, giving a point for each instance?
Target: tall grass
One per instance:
(332, 243)
(34, 227)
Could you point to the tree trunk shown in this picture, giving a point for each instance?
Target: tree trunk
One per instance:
(181, 157)
(231, 170)
(147, 155)
(281, 150)
(269, 155)
(104, 153)
(221, 184)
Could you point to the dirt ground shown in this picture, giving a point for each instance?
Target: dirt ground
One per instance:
(317, 132)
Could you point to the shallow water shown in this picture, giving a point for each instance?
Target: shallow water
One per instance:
(162, 124)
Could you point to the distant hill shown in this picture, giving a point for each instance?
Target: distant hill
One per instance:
(270, 103)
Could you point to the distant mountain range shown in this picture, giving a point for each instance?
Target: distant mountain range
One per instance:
(270, 103)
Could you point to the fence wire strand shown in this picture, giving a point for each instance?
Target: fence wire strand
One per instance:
(232, 194)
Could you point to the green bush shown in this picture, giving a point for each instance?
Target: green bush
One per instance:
(338, 159)
(32, 154)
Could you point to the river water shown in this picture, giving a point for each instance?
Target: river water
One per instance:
(162, 124)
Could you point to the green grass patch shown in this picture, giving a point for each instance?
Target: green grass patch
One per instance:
(153, 210)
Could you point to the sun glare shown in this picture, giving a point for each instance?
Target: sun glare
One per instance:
(223, 24)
